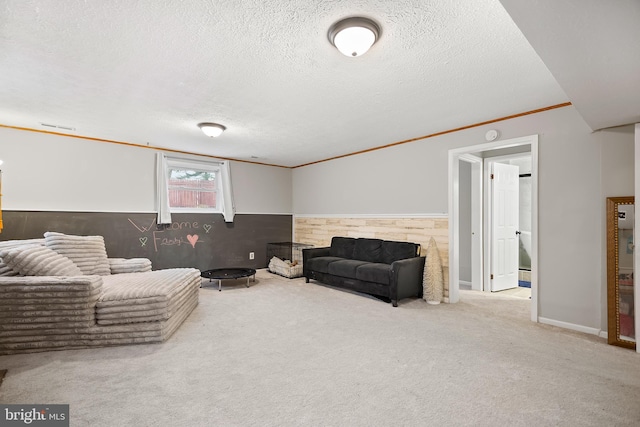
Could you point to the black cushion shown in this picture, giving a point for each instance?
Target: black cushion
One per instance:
(394, 251)
(321, 264)
(345, 268)
(342, 247)
(374, 272)
(368, 250)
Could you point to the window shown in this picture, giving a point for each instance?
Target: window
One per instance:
(192, 189)
(186, 185)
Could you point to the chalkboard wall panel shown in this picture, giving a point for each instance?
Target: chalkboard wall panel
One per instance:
(203, 241)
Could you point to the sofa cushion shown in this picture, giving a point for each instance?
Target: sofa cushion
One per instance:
(87, 252)
(368, 250)
(145, 297)
(342, 247)
(129, 265)
(374, 272)
(5, 270)
(345, 267)
(394, 251)
(321, 264)
(36, 260)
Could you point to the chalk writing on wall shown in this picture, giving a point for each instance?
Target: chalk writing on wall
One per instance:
(182, 233)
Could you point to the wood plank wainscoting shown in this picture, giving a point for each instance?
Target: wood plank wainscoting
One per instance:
(318, 231)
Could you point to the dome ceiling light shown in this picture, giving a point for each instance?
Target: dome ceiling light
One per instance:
(212, 129)
(354, 36)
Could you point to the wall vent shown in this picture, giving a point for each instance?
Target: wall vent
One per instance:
(57, 126)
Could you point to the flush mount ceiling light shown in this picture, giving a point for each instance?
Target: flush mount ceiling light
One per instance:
(354, 36)
(212, 129)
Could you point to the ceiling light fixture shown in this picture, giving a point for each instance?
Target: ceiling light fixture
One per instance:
(354, 36)
(212, 129)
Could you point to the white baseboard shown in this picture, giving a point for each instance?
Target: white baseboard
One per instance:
(464, 282)
(572, 326)
(604, 334)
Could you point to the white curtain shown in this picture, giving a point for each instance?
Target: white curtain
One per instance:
(162, 196)
(223, 171)
(228, 204)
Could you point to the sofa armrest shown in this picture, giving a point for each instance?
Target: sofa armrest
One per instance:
(406, 278)
(17, 287)
(129, 265)
(309, 253)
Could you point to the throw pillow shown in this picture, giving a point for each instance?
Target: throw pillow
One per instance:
(394, 251)
(342, 247)
(87, 252)
(5, 270)
(33, 260)
(369, 250)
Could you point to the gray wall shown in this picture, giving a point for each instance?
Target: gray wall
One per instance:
(77, 186)
(617, 180)
(576, 168)
(58, 173)
(465, 221)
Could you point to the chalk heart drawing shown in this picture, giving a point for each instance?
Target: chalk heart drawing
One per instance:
(143, 241)
(206, 227)
(192, 239)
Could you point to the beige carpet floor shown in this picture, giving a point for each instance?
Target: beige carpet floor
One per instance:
(286, 353)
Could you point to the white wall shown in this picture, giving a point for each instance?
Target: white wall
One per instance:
(617, 180)
(412, 179)
(57, 173)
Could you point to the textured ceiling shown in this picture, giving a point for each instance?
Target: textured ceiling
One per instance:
(148, 71)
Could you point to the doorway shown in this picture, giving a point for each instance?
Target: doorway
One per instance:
(473, 163)
(511, 238)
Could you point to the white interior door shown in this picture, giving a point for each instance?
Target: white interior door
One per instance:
(504, 226)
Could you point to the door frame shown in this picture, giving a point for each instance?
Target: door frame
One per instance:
(461, 154)
(477, 218)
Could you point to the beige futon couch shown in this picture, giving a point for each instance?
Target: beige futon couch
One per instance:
(62, 292)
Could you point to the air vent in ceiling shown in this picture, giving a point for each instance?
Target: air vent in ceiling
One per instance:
(57, 126)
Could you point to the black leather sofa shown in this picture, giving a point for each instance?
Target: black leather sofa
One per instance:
(383, 268)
